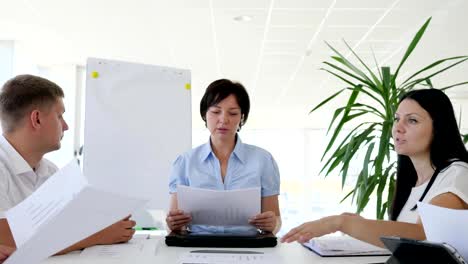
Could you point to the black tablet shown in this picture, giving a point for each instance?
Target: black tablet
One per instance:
(416, 251)
(186, 239)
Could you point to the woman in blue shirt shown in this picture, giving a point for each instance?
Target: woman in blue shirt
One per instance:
(224, 162)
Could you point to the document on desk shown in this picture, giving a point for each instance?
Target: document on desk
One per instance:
(444, 225)
(219, 208)
(340, 246)
(227, 257)
(63, 211)
(137, 247)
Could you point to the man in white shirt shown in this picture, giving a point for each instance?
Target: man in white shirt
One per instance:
(31, 116)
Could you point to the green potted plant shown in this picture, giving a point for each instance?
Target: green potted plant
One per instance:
(372, 93)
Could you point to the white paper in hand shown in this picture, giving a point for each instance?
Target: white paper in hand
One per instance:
(444, 225)
(42, 205)
(63, 211)
(219, 208)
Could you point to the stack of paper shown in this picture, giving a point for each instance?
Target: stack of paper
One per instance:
(445, 225)
(339, 246)
(63, 211)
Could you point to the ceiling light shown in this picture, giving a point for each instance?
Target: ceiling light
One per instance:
(243, 18)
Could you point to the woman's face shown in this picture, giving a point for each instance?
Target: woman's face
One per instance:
(412, 129)
(224, 118)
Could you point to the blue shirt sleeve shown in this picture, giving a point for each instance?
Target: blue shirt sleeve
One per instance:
(177, 174)
(270, 178)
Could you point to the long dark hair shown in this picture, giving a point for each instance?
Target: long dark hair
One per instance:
(446, 143)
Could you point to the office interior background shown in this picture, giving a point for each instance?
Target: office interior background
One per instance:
(274, 47)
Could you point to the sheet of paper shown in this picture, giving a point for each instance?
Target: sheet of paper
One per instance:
(74, 218)
(45, 203)
(445, 225)
(139, 246)
(227, 257)
(219, 208)
(343, 246)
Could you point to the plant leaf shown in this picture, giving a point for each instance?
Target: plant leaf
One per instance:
(326, 100)
(344, 119)
(346, 72)
(453, 85)
(430, 66)
(413, 83)
(347, 63)
(374, 77)
(411, 47)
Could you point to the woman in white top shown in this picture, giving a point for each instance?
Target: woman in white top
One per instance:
(431, 156)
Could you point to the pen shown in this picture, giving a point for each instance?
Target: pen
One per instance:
(145, 228)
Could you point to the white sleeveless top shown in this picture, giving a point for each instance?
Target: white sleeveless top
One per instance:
(453, 179)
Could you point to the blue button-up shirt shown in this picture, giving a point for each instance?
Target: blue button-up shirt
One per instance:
(248, 166)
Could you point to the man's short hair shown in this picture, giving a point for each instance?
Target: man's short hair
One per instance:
(21, 94)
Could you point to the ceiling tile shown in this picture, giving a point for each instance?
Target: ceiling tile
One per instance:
(281, 33)
(354, 17)
(287, 46)
(322, 4)
(364, 3)
(299, 18)
(393, 33)
(378, 45)
(403, 18)
(422, 5)
(225, 17)
(241, 4)
(337, 33)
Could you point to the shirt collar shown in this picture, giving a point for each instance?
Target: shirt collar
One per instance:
(18, 163)
(239, 150)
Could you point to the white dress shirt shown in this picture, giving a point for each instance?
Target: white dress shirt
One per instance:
(17, 179)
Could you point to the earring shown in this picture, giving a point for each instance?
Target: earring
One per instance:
(240, 125)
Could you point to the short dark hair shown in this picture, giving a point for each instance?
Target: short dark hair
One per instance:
(446, 143)
(21, 93)
(219, 90)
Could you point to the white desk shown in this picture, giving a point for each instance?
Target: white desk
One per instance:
(287, 253)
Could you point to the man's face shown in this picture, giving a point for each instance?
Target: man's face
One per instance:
(54, 125)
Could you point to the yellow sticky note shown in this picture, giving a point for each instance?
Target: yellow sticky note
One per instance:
(95, 74)
(188, 86)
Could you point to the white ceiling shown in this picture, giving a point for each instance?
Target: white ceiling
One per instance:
(276, 55)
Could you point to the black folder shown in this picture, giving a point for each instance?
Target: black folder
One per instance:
(187, 239)
(416, 251)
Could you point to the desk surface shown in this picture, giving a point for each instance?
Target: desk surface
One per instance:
(286, 253)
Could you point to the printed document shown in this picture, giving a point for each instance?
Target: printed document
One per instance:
(63, 211)
(227, 257)
(219, 208)
(137, 247)
(330, 246)
(444, 225)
